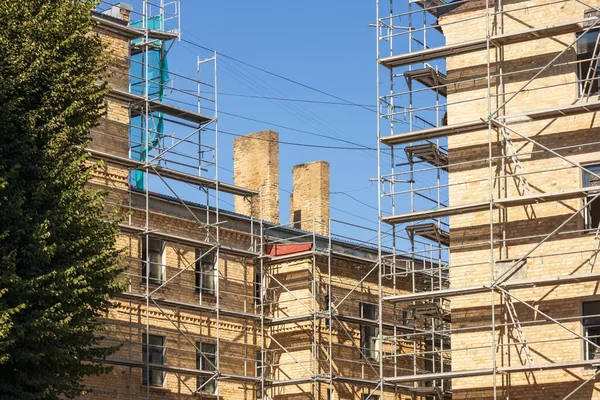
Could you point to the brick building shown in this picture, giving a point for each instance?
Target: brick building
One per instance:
(492, 106)
(230, 303)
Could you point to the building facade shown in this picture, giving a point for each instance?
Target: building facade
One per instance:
(494, 104)
(229, 303)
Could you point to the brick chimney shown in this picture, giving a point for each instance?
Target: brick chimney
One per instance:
(310, 197)
(256, 166)
(120, 10)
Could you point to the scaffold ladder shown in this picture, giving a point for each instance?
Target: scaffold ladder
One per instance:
(518, 168)
(517, 328)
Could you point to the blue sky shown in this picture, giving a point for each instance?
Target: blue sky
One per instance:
(324, 44)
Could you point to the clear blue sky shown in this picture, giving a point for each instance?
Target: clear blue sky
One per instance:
(324, 44)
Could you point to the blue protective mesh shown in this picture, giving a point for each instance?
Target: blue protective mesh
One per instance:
(157, 76)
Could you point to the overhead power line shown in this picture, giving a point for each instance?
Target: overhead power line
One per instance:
(281, 77)
(293, 100)
(357, 200)
(316, 146)
(259, 85)
(361, 146)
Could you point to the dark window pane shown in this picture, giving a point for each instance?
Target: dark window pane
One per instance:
(593, 334)
(591, 308)
(590, 180)
(588, 79)
(297, 219)
(368, 333)
(259, 364)
(593, 208)
(205, 273)
(257, 287)
(591, 324)
(326, 308)
(206, 361)
(365, 396)
(587, 42)
(369, 341)
(155, 353)
(154, 254)
(368, 311)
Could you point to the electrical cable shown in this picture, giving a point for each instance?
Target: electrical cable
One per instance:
(279, 76)
(288, 99)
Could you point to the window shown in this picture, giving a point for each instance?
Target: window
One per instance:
(206, 360)
(154, 253)
(587, 66)
(365, 396)
(592, 212)
(206, 273)
(297, 219)
(326, 308)
(259, 364)
(368, 333)
(153, 353)
(257, 287)
(591, 328)
(260, 370)
(405, 319)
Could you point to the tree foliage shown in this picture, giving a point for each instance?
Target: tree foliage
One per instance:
(58, 259)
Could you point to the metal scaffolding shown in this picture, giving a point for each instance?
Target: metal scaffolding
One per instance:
(175, 162)
(424, 189)
(162, 166)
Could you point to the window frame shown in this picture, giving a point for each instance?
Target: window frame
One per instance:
(146, 356)
(585, 326)
(201, 272)
(330, 394)
(327, 309)
(202, 364)
(368, 334)
(259, 365)
(364, 396)
(297, 219)
(257, 286)
(146, 254)
(589, 225)
(581, 57)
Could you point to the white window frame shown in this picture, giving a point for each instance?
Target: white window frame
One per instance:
(207, 259)
(163, 261)
(201, 363)
(366, 351)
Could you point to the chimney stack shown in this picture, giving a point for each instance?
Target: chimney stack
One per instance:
(120, 10)
(256, 166)
(310, 197)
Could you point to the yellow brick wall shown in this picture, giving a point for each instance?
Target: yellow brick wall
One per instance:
(310, 196)
(469, 183)
(239, 337)
(256, 166)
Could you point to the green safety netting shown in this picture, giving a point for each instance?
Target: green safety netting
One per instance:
(157, 76)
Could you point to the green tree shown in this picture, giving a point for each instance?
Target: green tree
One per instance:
(58, 259)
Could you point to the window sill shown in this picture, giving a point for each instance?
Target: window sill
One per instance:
(204, 294)
(152, 284)
(156, 389)
(206, 395)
